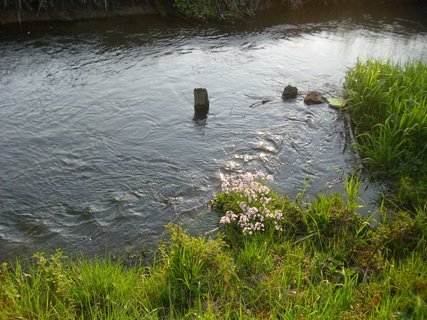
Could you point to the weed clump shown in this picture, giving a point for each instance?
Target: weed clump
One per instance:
(194, 268)
(251, 208)
(388, 104)
(322, 253)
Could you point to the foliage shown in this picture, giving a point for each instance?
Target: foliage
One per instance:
(250, 206)
(388, 104)
(216, 9)
(195, 268)
(103, 289)
(401, 233)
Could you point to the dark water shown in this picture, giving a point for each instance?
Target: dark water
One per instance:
(98, 149)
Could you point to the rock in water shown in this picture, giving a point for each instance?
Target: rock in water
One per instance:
(289, 92)
(201, 104)
(314, 97)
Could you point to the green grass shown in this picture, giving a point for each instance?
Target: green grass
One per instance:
(388, 104)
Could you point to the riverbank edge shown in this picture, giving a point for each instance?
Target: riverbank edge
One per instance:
(142, 8)
(322, 261)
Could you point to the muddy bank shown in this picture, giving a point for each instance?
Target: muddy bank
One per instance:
(58, 10)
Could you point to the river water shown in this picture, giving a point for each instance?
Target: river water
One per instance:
(98, 150)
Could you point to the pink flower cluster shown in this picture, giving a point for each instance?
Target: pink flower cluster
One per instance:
(256, 209)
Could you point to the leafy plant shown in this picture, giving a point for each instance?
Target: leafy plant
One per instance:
(249, 205)
(195, 268)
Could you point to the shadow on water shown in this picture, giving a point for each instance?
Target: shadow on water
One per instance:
(98, 147)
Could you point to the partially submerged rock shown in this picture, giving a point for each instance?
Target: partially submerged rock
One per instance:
(314, 97)
(289, 92)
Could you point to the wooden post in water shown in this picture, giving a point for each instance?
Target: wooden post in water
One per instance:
(201, 104)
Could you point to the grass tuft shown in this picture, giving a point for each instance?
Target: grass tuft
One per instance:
(387, 103)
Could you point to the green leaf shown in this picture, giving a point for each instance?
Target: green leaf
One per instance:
(336, 103)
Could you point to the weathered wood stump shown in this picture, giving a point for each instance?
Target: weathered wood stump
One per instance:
(201, 104)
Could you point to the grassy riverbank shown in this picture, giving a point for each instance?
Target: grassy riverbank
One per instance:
(388, 104)
(276, 258)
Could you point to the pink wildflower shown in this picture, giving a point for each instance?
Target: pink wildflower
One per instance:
(248, 177)
(243, 205)
(224, 220)
(243, 219)
(259, 175)
(225, 186)
(279, 214)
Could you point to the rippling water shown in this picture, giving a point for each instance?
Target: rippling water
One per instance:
(98, 150)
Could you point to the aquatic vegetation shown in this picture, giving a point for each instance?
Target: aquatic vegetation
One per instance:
(388, 104)
(250, 207)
